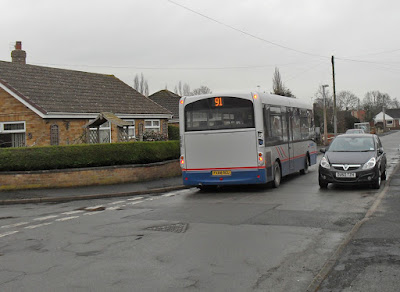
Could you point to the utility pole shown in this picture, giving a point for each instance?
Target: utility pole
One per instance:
(325, 119)
(384, 113)
(334, 98)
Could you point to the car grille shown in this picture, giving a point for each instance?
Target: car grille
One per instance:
(346, 167)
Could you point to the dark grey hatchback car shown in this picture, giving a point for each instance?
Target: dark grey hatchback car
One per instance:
(353, 159)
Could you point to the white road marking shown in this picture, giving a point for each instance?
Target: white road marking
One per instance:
(8, 233)
(134, 203)
(72, 212)
(135, 198)
(92, 213)
(67, 218)
(94, 207)
(45, 218)
(117, 202)
(169, 195)
(14, 225)
(115, 207)
(39, 225)
(149, 199)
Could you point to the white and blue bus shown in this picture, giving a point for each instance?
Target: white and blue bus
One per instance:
(251, 138)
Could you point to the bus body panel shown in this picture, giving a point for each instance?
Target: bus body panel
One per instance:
(235, 152)
(221, 150)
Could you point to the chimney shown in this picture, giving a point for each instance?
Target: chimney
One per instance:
(18, 55)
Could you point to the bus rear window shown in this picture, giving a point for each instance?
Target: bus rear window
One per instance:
(218, 113)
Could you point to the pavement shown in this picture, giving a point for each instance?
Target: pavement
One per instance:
(91, 192)
(370, 259)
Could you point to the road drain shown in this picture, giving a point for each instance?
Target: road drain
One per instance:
(177, 228)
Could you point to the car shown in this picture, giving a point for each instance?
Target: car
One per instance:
(355, 131)
(353, 159)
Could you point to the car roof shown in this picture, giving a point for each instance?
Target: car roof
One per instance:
(356, 135)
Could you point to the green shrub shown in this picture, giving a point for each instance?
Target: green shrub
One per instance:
(173, 132)
(154, 136)
(85, 155)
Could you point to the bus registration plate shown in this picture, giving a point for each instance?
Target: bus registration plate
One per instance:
(221, 172)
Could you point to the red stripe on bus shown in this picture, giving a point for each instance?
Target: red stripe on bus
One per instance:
(224, 168)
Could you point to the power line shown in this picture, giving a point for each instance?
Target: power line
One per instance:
(378, 53)
(246, 33)
(168, 68)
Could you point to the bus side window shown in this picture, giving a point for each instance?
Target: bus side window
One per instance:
(267, 129)
(296, 125)
(275, 125)
(284, 126)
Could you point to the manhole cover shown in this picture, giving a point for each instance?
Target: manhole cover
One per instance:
(177, 228)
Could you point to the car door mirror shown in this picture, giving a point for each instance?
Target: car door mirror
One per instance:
(380, 151)
(322, 150)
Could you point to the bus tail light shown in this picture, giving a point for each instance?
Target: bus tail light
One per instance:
(182, 161)
(260, 158)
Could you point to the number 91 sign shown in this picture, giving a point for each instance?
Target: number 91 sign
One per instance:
(218, 101)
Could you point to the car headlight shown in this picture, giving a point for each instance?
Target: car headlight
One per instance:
(324, 163)
(370, 164)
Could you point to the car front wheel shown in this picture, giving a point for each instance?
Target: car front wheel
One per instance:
(378, 180)
(322, 184)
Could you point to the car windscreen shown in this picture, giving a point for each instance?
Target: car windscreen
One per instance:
(218, 113)
(352, 144)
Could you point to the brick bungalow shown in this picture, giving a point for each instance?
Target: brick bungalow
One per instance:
(170, 101)
(392, 118)
(50, 106)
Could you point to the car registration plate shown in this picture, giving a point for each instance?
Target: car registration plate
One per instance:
(346, 174)
(221, 172)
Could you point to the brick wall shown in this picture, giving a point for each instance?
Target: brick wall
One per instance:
(88, 176)
(38, 129)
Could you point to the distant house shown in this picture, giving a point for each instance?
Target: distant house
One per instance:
(392, 118)
(50, 106)
(170, 101)
(359, 114)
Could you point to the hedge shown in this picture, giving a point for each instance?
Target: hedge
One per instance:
(173, 132)
(86, 155)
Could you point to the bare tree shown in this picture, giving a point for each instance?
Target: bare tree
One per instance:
(278, 86)
(141, 85)
(346, 100)
(201, 90)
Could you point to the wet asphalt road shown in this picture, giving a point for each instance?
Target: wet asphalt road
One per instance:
(236, 239)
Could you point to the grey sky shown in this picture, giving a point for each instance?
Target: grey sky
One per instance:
(160, 39)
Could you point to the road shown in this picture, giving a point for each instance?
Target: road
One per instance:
(236, 239)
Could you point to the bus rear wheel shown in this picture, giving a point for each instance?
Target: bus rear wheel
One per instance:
(306, 164)
(277, 175)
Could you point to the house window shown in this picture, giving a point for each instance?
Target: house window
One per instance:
(389, 123)
(152, 125)
(12, 134)
(54, 135)
(105, 134)
(131, 129)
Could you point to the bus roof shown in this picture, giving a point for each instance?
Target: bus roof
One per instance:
(267, 98)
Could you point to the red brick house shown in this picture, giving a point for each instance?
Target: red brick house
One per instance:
(50, 106)
(170, 101)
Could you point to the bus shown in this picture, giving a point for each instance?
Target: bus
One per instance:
(244, 138)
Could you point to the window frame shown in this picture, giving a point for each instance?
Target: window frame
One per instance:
(152, 127)
(133, 126)
(2, 124)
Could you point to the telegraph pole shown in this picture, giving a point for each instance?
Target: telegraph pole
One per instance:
(325, 119)
(334, 98)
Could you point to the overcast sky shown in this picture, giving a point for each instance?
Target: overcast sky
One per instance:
(227, 45)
